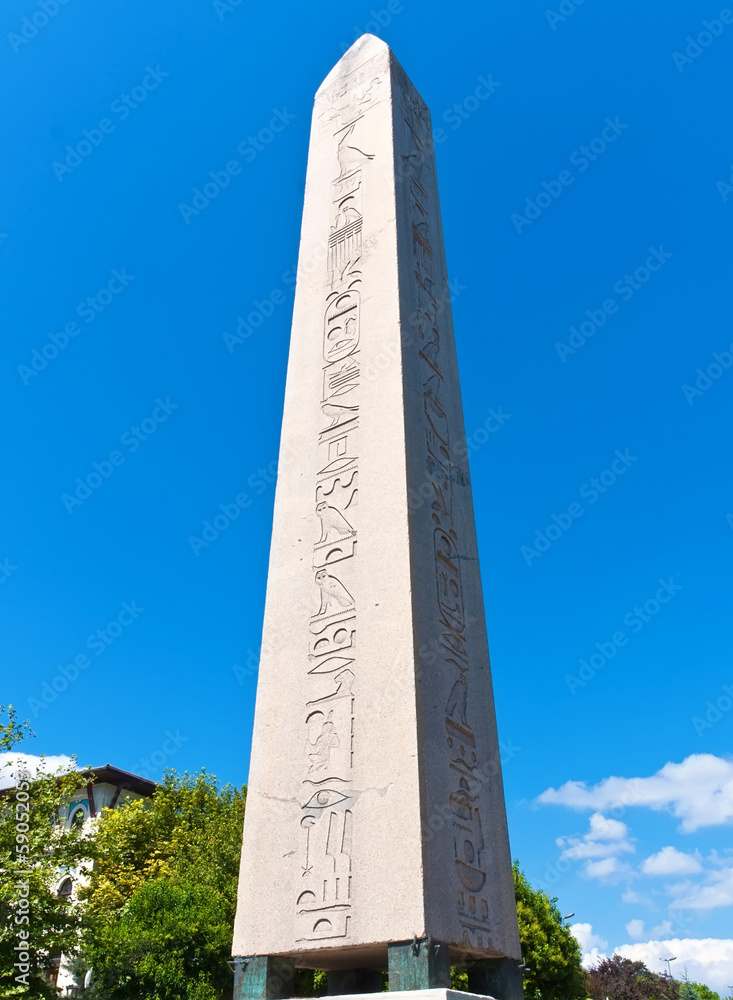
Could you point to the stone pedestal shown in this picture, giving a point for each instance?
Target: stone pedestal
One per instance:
(375, 812)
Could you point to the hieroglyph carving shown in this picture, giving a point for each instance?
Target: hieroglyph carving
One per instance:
(469, 862)
(324, 901)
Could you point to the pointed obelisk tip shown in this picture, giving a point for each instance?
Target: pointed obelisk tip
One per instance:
(363, 48)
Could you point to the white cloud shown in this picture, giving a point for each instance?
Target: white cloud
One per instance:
(586, 937)
(602, 828)
(9, 765)
(698, 791)
(670, 861)
(662, 930)
(592, 945)
(630, 896)
(605, 839)
(592, 958)
(707, 960)
(608, 869)
(579, 850)
(717, 891)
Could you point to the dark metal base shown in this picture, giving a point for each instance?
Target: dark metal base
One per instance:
(412, 965)
(354, 981)
(500, 978)
(418, 965)
(263, 978)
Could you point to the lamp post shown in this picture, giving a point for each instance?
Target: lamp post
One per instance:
(566, 917)
(672, 958)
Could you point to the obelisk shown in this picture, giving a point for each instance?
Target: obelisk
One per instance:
(375, 835)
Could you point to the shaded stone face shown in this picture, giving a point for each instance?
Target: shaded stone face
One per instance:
(375, 811)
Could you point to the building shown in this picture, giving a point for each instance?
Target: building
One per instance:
(104, 787)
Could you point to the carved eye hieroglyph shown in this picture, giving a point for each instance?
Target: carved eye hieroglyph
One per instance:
(324, 798)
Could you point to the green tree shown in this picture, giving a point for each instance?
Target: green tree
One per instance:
(159, 906)
(552, 955)
(622, 979)
(12, 731)
(690, 990)
(35, 849)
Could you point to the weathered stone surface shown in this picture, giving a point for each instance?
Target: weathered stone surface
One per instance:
(375, 811)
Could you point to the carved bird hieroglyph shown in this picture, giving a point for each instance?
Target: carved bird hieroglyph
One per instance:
(336, 411)
(457, 700)
(332, 590)
(332, 518)
(350, 157)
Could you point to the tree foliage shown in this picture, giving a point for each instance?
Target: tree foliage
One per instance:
(35, 849)
(12, 731)
(159, 907)
(552, 955)
(623, 979)
(690, 990)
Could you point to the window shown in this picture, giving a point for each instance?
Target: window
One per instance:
(78, 818)
(65, 889)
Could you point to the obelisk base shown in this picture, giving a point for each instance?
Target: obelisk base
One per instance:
(496, 977)
(436, 994)
(263, 978)
(266, 978)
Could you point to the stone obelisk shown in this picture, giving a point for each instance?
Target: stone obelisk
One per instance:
(375, 835)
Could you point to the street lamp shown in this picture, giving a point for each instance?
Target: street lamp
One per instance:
(567, 917)
(672, 958)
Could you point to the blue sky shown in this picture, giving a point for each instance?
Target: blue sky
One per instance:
(587, 207)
